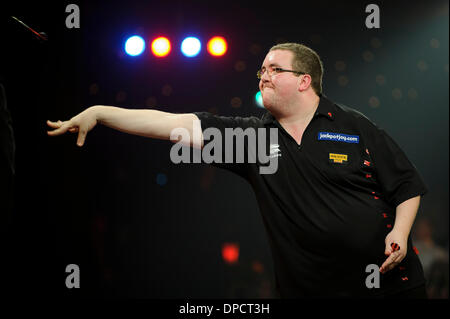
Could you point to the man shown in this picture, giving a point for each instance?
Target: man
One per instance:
(343, 198)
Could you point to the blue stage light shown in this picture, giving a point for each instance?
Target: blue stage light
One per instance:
(191, 47)
(259, 99)
(161, 179)
(135, 45)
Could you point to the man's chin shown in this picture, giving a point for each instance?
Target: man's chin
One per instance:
(268, 105)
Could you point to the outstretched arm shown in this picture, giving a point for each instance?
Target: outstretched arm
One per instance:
(148, 123)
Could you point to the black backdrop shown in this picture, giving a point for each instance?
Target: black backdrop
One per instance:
(103, 206)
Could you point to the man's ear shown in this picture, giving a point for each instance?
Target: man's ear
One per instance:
(304, 82)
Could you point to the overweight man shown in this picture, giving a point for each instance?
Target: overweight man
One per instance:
(338, 207)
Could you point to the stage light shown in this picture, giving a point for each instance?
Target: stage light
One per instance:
(161, 47)
(135, 45)
(161, 179)
(259, 99)
(230, 252)
(191, 47)
(217, 46)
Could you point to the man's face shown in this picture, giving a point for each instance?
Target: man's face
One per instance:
(279, 89)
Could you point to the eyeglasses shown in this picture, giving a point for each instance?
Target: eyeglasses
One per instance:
(273, 71)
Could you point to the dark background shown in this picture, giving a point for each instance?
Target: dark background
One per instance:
(139, 226)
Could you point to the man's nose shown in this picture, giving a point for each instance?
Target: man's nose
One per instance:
(265, 78)
(262, 82)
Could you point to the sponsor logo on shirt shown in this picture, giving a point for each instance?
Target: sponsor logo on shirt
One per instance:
(274, 150)
(338, 137)
(338, 158)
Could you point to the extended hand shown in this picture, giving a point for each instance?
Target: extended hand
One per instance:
(82, 123)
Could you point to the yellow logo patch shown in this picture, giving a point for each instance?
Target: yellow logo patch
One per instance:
(338, 158)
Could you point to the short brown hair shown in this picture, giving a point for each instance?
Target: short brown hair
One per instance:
(305, 60)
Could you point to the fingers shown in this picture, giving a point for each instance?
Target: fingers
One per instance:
(62, 127)
(81, 136)
(392, 261)
(395, 257)
(386, 263)
(387, 250)
(54, 124)
(59, 127)
(393, 251)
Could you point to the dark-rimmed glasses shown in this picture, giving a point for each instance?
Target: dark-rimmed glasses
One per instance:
(273, 71)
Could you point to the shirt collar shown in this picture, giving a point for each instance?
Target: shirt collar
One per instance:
(325, 108)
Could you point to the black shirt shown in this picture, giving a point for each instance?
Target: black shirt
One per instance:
(331, 202)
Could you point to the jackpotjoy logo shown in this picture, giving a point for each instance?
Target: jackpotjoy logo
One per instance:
(236, 141)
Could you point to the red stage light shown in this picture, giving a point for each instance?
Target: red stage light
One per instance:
(230, 252)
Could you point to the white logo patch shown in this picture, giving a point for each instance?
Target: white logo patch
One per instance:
(274, 150)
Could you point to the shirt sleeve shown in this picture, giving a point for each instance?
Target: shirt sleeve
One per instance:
(398, 176)
(221, 123)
